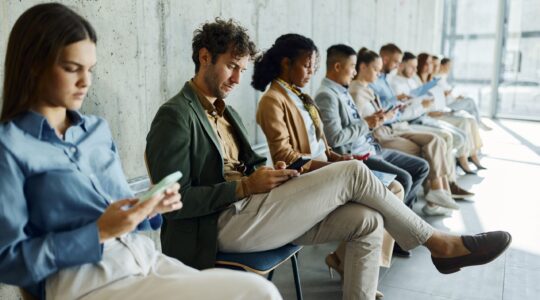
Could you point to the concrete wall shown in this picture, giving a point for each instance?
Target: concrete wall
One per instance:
(144, 48)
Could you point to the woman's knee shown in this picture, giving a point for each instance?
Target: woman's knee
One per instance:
(397, 189)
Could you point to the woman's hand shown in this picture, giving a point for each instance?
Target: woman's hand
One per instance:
(123, 216)
(403, 97)
(170, 202)
(389, 115)
(375, 120)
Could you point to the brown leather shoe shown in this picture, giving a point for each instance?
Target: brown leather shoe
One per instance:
(459, 193)
(484, 248)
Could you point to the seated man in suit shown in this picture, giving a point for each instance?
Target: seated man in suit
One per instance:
(230, 206)
(348, 133)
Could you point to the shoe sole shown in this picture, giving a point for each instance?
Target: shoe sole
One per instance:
(443, 204)
(450, 271)
(461, 197)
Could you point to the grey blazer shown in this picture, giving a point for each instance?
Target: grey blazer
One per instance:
(340, 129)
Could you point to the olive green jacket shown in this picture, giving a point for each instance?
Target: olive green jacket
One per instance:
(181, 138)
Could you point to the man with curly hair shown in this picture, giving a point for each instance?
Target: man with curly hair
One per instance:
(227, 204)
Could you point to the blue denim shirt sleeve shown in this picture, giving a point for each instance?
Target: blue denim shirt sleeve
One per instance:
(26, 260)
(52, 194)
(148, 224)
(386, 96)
(151, 224)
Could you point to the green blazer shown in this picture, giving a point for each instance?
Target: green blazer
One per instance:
(181, 138)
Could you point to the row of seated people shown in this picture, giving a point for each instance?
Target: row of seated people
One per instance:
(70, 224)
(404, 117)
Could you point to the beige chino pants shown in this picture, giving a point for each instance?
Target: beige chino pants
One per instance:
(342, 201)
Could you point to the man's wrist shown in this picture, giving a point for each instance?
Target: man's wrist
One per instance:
(242, 188)
(245, 187)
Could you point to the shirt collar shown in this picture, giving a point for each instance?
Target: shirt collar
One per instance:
(34, 123)
(289, 87)
(217, 108)
(334, 86)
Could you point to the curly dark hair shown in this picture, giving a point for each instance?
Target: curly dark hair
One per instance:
(220, 36)
(267, 66)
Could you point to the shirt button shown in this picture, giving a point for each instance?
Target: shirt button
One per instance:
(73, 149)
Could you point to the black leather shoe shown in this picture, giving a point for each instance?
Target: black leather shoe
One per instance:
(484, 248)
(399, 252)
(478, 166)
(468, 172)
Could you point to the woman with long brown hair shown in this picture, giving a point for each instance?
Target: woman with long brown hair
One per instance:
(65, 234)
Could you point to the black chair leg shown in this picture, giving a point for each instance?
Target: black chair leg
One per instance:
(296, 274)
(270, 275)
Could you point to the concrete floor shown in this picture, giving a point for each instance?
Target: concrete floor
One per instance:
(507, 198)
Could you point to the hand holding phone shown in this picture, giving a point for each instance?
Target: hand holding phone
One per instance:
(160, 188)
(298, 164)
(389, 108)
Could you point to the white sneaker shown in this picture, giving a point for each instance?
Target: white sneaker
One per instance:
(483, 126)
(436, 210)
(441, 198)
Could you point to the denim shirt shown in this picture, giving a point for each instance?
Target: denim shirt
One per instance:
(382, 88)
(52, 193)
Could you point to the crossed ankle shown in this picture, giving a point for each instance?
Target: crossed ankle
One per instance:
(451, 247)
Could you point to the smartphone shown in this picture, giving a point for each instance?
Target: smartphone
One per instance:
(299, 163)
(389, 108)
(160, 188)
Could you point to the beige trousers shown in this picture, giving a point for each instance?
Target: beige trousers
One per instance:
(343, 201)
(469, 125)
(131, 268)
(427, 145)
(387, 247)
(449, 142)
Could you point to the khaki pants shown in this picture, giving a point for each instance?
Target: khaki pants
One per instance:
(431, 147)
(387, 247)
(343, 201)
(469, 125)
(131, 268)
(449, 142)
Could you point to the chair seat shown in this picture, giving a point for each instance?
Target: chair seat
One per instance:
(259, 262)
